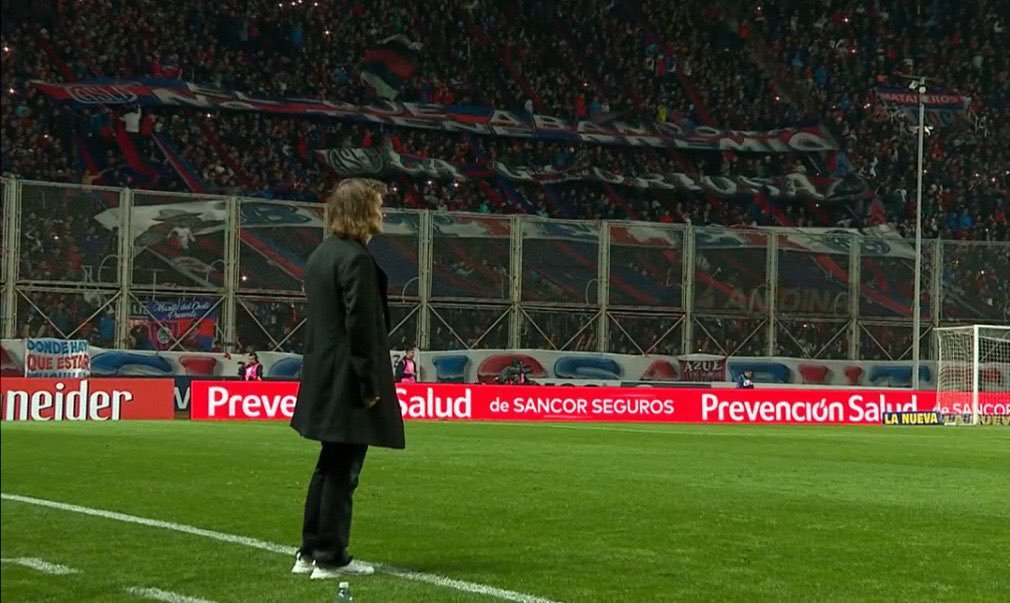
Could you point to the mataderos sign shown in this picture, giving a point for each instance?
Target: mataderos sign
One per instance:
(940, 108)
(266, 400)
(384, 161)
(450, 118)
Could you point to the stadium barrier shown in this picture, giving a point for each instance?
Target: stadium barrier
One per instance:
(42, 399)
(544, 366)
(265, 400)
(176, 272)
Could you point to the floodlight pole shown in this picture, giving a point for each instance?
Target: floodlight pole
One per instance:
(917, 294)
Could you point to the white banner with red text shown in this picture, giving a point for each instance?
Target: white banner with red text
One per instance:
(50, 357)
(275, 400)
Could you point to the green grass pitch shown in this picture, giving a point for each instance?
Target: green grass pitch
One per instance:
(565, 512)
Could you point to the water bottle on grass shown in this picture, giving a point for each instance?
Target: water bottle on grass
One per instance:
(344, 592)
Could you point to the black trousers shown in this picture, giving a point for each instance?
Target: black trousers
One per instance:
(326, 529)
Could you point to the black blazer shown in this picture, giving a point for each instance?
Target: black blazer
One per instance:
(346, 355)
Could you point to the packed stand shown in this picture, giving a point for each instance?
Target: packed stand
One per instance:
(842, 52)
(663, 61)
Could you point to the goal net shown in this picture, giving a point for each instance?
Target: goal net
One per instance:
(973, 373)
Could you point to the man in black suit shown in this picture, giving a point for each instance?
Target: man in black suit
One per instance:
(347, 400)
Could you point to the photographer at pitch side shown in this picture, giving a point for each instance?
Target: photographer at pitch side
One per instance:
(745, 380)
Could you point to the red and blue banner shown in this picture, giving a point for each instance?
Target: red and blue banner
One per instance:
(385, 161)
(449, 118)
(941, 108)
(389, 65)
(165, 322)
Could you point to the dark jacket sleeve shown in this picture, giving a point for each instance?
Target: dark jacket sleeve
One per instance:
(360, 293)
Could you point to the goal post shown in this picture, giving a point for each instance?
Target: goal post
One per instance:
(973, 372)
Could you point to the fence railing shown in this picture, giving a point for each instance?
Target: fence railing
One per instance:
(158, 270)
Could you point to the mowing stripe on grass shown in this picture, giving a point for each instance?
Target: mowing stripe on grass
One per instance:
(435, 579)
(43, 566)
(156, 594)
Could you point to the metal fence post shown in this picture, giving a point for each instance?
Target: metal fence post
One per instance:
(603, 288)
(12, 239)
(515, 281)
(855, 278)
(125, 250)
(772, 270)
(425, 255)
(233, 222)
(687, 286)
(936, 292)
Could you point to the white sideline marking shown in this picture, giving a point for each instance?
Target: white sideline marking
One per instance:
(156, 594)
(435, 579)
(43, 566)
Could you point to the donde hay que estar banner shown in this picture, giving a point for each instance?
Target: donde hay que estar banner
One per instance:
(275, 400)
(57, 358)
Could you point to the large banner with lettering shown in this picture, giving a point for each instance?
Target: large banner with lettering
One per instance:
(384, 161)
(941, 109)
(157, 324)
(450, 118)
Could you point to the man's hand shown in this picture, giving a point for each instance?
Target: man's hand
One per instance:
(370, 402)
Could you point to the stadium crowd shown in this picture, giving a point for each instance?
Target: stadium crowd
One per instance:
(665, 61)
(722, 63)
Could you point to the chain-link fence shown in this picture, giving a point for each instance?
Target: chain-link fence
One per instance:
(170, 271)
(560, 261)
(6, 214)
(975, 282)
(68, 234)
(551, 329)
(646, 333)
(398, 251)
(269, 323)
(67, 314)
(179, 240)
(730, 335)
(822, 338)
(455, 327)
(813, 274)
(470, 257)
(646, 266)
(274, 240)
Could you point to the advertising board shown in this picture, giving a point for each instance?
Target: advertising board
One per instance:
(39, 399)
(228, 400)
